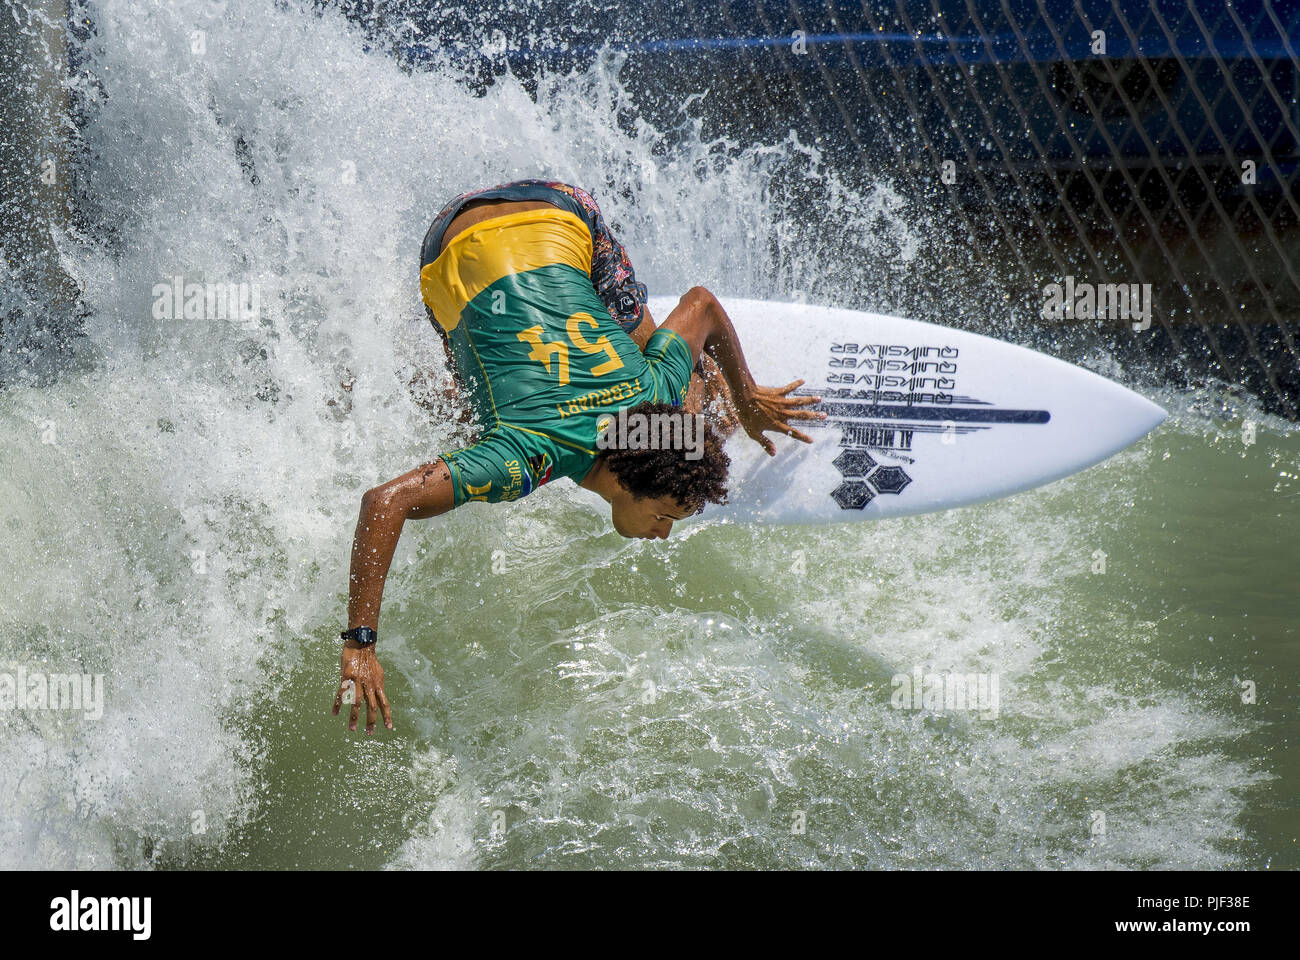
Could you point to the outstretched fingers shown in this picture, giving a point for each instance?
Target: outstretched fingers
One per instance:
(773, 408)
(355, 714)
(758, 437)
(797, 434)
(372, 708)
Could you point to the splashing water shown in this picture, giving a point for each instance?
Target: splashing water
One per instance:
(179, 510)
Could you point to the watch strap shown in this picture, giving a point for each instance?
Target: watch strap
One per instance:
(365, 636)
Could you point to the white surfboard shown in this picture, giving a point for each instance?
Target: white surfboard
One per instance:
(921, 417)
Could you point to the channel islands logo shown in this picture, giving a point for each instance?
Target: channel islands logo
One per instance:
(864, 479)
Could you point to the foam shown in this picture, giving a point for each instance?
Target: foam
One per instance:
(252, 440)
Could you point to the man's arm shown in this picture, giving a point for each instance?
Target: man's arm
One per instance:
(423, 492)
(708, 391)
(426, 491)
(700, 320)
(640, 334)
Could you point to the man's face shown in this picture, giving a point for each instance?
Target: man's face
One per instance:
(649, 519)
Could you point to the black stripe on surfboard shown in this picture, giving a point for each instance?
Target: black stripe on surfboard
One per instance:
(867, 411)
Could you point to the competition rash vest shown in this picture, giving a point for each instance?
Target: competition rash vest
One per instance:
(544, 362)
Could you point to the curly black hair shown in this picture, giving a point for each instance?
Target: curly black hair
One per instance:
(665, 472)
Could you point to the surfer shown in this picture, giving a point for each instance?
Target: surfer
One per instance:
(546, 330)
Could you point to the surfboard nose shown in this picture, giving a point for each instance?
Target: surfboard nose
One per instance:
(1158, 414)
(1143, 415)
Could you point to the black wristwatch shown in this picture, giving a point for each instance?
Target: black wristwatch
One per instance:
(362, 635)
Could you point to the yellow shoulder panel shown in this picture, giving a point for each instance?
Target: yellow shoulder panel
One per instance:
(499, 247)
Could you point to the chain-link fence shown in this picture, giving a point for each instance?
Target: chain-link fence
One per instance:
(1090, 147)
(1078, 143)
(1133, 142)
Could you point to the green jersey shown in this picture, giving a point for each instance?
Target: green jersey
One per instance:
(544, 362)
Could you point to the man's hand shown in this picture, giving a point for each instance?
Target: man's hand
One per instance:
(769, 408)
(700, 320)
(360, 668)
